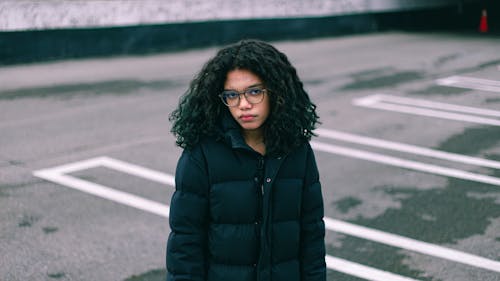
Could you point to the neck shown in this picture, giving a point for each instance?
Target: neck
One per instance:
(253, 136)
(255, 139)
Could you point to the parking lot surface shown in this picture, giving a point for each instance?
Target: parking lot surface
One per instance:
(408, 152)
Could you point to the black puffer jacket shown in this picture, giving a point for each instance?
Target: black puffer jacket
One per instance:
(240, 216)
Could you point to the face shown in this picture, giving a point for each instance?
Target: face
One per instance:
(249, 116)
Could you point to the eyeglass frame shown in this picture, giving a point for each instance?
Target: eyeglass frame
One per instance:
(244, 93)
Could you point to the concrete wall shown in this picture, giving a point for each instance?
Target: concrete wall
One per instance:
(33, 31)
(17, 15)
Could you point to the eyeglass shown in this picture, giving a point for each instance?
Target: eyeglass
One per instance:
(253, 95)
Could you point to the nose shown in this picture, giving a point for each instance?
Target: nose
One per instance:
(244, 104)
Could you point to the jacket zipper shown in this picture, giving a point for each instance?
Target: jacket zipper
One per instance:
(261, 179)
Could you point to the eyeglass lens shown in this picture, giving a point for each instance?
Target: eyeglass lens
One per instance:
(252, 95)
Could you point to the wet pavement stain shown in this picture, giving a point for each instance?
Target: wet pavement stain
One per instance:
(153, 275)
(454, 214)
(57, 275)
(49, 229)
(440, 61)
(4, 189)
(115, 87)
(85, 177)
(15, 163)
(440, 90)
(493, 172)
(374, 255)
(488, 64)
(335, 275)
(495, 157)
(436, 216)
(28, 221)
(442, 215)
(472, 140)
(467, 70)
(12, 186)
(385, 80)
(493, 100)
(347, 203)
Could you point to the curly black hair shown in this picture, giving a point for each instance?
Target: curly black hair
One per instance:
(291, 120)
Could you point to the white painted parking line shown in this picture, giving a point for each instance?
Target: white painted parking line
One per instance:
(111, 164)
(470, 83)
(410, 244)
(421, 107)
(403, 163)
(138, 171)
(57, 175)
(362, 271)
(417, 150)
(434, 105)
(105, 192)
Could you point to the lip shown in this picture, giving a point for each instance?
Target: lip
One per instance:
(247, 117)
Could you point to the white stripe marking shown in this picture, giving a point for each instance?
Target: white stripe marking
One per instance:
(104, 192)
(138, 171)
(362, 271)
(470, 83)
(403, 163)
(431, 104)
(410, 244)
(54, 175)
(337, 135)
(384, 103)
(57, 175)
(116, 165)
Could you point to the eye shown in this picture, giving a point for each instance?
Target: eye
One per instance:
(231, 95)
(254, 91)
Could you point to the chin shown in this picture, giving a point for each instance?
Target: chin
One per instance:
(249, 127)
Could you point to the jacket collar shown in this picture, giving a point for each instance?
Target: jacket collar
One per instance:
(231, 132)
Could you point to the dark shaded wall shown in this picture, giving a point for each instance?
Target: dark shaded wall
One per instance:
(34, 46)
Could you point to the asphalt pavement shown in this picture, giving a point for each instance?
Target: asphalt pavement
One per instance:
(408, 152)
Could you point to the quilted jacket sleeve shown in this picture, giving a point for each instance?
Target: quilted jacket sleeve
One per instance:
(186, 246)
(313, 266)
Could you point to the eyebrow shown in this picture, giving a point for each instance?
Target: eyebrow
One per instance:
(251, 86)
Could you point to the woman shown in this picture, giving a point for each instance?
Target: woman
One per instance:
(248, 203)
